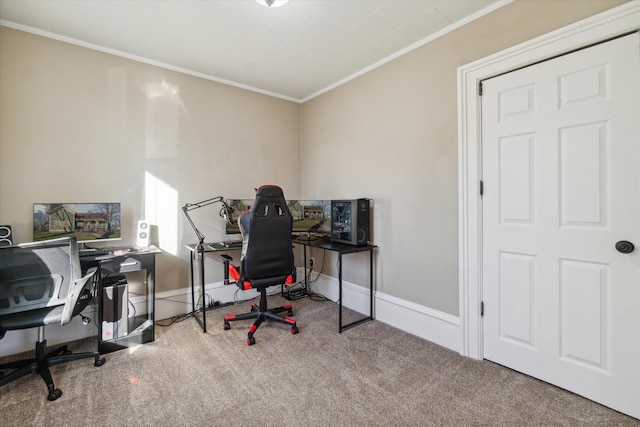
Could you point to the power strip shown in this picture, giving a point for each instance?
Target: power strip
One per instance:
(295, 294)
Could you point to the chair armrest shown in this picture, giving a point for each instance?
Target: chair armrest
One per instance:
(75, 290)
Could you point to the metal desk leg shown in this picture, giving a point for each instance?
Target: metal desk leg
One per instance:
(371, 284)
(340, 292)
(193, 285)
(203, 322)
(204, 310)
(304, 249)
(370, 316)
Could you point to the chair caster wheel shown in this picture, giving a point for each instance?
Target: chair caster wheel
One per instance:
(294, 330)
(226, 326)
(54, 395)
(99, 362)
(290, 313)
(251, 341)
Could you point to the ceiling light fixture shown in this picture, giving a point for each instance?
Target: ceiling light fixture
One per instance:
(272, 3)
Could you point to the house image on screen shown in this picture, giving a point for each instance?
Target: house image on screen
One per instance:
(64, 220)
(297, 210)
(313, 212)
(305, 209)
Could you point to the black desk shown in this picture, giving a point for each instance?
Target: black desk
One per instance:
(198, 253)
(342, 249)
(140, 328)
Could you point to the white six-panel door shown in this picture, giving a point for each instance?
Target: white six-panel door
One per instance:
(561, 172)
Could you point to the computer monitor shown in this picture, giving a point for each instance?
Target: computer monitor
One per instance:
(90, 222)
(310, 217)
(238, 207)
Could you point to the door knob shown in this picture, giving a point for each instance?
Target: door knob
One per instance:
(624, 247)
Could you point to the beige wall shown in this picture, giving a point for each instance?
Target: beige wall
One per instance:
(391, 135)
(78, 125)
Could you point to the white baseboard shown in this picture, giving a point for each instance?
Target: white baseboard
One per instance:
(432, 325)
(424, 322)
(178, 302)
(354, 296)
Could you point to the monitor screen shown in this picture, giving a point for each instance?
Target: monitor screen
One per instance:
(238, 206)
(309, 216)
(90, 222)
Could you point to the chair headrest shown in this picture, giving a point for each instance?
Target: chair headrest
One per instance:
(269, 191)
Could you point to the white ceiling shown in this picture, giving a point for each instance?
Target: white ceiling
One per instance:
(294, 52)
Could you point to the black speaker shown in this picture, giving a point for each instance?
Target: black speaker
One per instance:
(6, 238)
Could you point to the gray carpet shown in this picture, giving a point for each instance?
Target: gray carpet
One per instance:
(370, 375)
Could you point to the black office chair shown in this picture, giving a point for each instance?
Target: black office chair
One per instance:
(41, 284)
(267, 257)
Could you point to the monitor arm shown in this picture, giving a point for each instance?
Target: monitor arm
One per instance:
(225, 212)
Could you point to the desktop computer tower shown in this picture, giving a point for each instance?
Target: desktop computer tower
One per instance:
(351, 221)
(115, 297)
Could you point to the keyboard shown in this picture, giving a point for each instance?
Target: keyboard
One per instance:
(226, 244)
(231, 243)
(94, 252)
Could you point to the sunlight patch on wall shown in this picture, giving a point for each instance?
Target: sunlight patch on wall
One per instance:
(161, 209)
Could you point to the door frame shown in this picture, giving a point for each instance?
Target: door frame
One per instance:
(606, 25)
